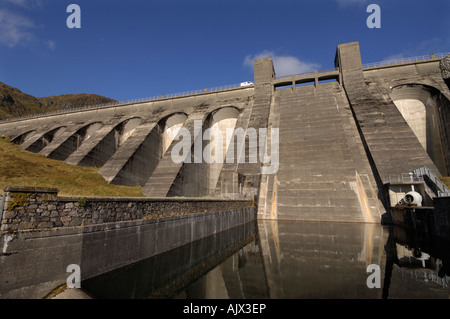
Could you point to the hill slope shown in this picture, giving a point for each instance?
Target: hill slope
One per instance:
(23, 168)
(15, 103)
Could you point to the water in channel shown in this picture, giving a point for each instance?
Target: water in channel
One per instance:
(286, 260)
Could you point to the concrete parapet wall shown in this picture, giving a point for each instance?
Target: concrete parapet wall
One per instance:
(34, 260)
(40, 208)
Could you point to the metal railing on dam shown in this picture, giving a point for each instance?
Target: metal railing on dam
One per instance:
(131, 101)
(284, 77)
(371, 65)
(278, 80)
(421, 174)
(406, 60)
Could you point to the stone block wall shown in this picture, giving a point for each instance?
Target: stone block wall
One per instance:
(28, 208)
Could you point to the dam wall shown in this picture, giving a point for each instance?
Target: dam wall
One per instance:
(332, 138)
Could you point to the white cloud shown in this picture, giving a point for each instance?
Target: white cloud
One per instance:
(284, 65)
(25, 3)
(51, 44)
(18, 29)
(395, 57)
(15, 28)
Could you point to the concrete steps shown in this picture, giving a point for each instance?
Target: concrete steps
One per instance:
(319, 155)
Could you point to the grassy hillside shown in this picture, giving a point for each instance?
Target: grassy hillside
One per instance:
(15, 103)
(22, 168)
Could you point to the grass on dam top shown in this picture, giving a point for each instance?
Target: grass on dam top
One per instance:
(23, 168)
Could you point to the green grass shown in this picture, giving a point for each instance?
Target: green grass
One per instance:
(446, 180)
(23, 168)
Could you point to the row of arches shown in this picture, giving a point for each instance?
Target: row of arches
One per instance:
(60, 142)
(128, 152)
(200, 178)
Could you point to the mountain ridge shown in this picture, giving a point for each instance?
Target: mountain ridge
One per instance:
(15, 103)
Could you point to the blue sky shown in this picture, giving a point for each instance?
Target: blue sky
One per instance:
(136, 49)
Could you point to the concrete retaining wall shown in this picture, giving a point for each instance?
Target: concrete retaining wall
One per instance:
(34, 258)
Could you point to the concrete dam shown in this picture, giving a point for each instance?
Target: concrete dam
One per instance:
(320, 146)
(339, 145)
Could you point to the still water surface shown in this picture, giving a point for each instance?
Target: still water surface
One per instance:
(285, 260)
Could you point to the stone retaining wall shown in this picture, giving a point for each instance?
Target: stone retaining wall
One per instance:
(40, 208)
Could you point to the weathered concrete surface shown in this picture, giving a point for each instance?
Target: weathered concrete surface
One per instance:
(389, 139)
(241, 180)
(324, 173)
(160, 182)
(129, 165)
(164, 275)
(420, 82)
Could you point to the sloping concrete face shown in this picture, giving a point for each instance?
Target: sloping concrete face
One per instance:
(240, 177)
(310, 152)
(419, 84)
(391, 142)
(324, 173)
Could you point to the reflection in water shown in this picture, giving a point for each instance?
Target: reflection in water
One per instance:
(417, 265)
(285, 260)
(165, 274)
(319, 259)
